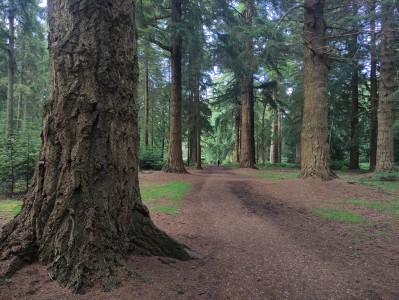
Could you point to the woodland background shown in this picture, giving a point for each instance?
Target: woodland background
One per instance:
(213, 57)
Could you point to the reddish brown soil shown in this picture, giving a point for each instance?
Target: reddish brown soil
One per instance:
(258, 240)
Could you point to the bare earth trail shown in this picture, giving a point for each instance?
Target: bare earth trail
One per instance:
(258, 241)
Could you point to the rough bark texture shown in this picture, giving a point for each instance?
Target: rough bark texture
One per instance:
(314, 146)
(385, 154)
(11, 69)
(247, 147)
(83, 211)
(373, 91)
(174, 162)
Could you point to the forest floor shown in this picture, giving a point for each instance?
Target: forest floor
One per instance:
(259, 238)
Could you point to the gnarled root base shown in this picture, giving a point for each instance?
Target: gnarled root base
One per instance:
(322, 174)
(88, 265)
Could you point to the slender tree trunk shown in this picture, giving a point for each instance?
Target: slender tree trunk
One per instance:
(373, 90)
(354, 143)
(146, 102)
(11, 69)
(237, 126)
(263, 138)
(21, 105)
(385, 153)
(280, 138)
(83, 212)
(174, 162)
(197, 101)
(314, 146)
(274, 141)
(298, 153)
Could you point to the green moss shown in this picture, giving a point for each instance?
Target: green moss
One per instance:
(338, 214)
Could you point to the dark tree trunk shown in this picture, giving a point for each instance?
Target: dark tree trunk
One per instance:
(314, 146)
(263, 138)
(280, 138)
(174, 162)
(373, 90)
(246, 146)
(385, 148)
(146, 102)
(354, 142)
(237, 126)
(11, 68)
(247, 149)
(83, 212)
(274, 141)
(197, 119)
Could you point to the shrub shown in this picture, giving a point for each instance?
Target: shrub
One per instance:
(150, 159)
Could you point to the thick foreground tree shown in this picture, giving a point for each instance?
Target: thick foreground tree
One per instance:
(83, 212)
(314, 146)
(386, 116)
(174, 162)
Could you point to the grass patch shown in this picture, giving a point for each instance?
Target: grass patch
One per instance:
(10, 206)
(338, 214)
(392, 207)
(268, 165)
(278, 176)
(392, 186)
(172, 193)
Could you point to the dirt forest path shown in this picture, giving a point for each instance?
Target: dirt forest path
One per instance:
(257, 240)
(267, 249)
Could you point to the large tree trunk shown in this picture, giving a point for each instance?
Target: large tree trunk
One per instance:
(385, 154)
(354, 142)
(11, 69)
(373, 90)
(314, 146)
(83, 212)
(247, 149)
(174, 162)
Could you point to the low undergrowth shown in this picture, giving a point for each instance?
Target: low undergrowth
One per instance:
(166, 198)
(279, 175)
(338, 214)
(8, 210)
(389, 207)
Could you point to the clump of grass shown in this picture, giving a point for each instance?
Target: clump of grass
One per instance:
(172, 192)
(391, 207)
(384, 185)
(338, 214)
(10, 206)
(386, 176)
(278, 175)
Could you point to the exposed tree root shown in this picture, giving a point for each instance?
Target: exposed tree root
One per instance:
(89, 265)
